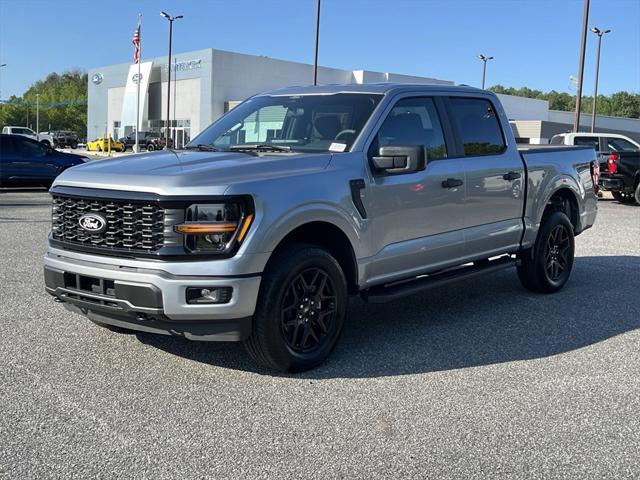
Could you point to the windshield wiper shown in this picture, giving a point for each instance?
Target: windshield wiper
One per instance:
(203, 147)
(260, 147)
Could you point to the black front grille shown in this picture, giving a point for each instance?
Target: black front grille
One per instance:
(134, 227)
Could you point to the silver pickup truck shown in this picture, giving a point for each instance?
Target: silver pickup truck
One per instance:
(260, 229)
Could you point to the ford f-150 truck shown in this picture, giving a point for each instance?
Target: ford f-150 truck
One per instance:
(272, 216)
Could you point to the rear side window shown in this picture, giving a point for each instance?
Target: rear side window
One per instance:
(557, 140)
(588, 141)
(478, 126)
(621, 145)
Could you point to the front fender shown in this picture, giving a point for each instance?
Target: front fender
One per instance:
(347, 221)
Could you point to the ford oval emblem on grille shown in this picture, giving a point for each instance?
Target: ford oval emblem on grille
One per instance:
(93, 223)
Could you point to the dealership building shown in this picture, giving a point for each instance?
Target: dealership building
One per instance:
(207, 83)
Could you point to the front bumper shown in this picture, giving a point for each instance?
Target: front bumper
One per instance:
(150, 299)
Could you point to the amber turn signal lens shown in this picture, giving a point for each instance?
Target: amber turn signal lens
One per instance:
(203, 228)
(245, 226)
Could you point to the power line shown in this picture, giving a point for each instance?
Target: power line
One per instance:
(21, 103)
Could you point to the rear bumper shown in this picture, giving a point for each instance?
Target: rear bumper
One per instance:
(614, 183)
(151, 300)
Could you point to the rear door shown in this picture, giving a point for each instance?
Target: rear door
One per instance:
(494, 178)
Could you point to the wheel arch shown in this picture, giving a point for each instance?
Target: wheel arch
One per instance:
(565, 200)
(329, 237)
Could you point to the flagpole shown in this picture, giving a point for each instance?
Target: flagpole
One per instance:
(138, 99)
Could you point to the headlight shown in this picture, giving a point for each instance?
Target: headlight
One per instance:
(215, 227)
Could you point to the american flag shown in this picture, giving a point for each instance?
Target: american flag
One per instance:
(136, 43)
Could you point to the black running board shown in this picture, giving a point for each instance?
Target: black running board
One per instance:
(394, 291)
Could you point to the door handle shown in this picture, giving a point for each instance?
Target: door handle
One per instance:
(511, 176)
(451, 183)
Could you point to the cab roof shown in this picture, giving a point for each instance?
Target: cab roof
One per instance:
(371, 88)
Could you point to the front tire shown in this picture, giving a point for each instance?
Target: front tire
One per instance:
(300, 310)
(546, 268)
(637, 194)
(150, 147)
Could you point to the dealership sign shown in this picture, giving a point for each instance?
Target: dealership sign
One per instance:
(138, 74)
(185, 65)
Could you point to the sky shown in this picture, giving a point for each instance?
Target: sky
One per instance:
(535, 42)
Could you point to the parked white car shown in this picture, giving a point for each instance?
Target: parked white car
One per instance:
(44, 137)
(601, 142)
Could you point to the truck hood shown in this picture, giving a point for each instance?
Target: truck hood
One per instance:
(189, 172)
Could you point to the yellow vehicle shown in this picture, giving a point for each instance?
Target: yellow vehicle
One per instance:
(102, 145)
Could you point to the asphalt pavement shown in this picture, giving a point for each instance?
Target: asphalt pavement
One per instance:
(481, 379)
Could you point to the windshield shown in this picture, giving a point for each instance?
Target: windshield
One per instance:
(310, 123)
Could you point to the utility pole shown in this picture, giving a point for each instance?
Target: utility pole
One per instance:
(171, 20)
(315, 60)
(484, 59)
(583, 49)
(600, 33)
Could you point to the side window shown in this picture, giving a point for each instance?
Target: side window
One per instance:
(30, 149)
(621, 145)
(478, 126)
(588, 141)
(413, 121)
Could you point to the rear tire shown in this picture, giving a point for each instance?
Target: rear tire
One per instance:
(547, 266)
(300, 310)
(637, 194)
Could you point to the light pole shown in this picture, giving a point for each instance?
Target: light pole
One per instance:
(38, 116)
(1, 65)
(583, 49)
(315, 59)
(600, 33)
(484, 59)
(171, 20)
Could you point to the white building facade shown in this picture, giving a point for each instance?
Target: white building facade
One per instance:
(207, 83)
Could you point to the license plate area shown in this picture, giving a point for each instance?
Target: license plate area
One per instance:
(85, 283)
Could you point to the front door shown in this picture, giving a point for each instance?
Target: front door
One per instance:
(494, 179)
(416, 217)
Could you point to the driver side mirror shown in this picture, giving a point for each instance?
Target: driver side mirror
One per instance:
(399, 159)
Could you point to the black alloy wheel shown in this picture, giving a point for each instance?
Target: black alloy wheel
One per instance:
(546, 267)
(308, 311)
(300, 310)
(556, 254)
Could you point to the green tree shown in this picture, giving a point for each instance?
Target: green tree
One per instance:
(62, 104)
(619, 104)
